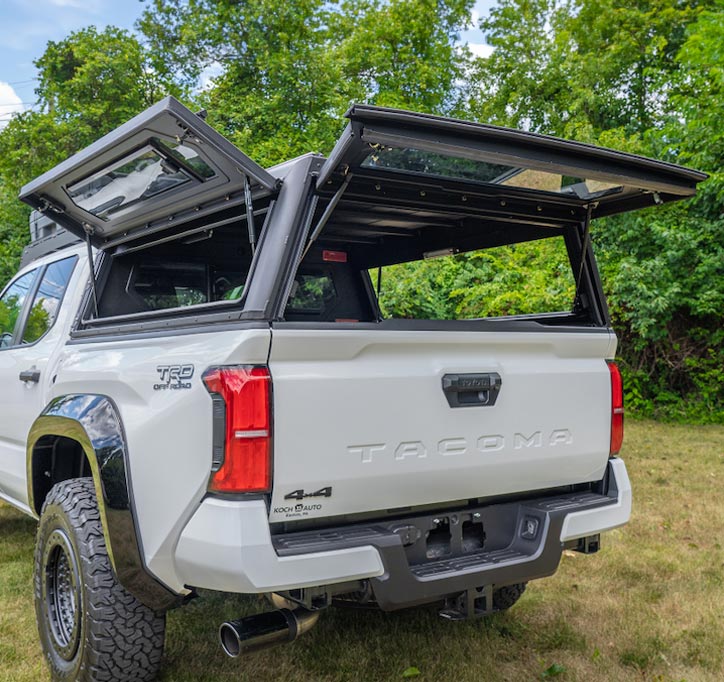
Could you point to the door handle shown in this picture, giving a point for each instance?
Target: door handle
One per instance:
(469, 390)
(30, 376)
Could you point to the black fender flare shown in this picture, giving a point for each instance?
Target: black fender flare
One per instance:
(93, 421)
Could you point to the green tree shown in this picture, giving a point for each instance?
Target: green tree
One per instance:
(579, 68)
(89, 83)
(404, 53)
(644, 77)
(695, 106)
(286, 72)
(276, 87)
(531, 277)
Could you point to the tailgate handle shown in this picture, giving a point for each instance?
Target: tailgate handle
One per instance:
(470, 390)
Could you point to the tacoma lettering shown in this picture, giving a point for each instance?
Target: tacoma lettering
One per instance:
(455, 446)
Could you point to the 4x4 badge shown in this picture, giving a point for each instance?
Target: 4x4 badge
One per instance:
(300, 494)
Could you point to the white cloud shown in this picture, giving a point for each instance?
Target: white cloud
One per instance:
(482, 7)
(474, 36)
(88, 6)
(75, 4)
(481, 50)
(10, 103)
(206, 78)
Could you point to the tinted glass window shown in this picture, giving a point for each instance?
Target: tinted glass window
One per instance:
(203, 267)
(47, 301)
(424, 162)
(187, 156)
(325, 291)
(133, 179)
(11, 304)
(311, 293)
(169, 285)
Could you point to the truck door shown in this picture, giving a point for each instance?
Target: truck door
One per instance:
(33, 324)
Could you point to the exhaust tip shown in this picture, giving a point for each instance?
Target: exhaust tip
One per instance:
(230, 642)
(264, 630)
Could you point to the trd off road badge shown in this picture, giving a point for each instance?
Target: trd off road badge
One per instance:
(174, 377)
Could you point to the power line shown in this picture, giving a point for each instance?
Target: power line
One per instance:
(3, 105)
(9, 115)
(29, 80)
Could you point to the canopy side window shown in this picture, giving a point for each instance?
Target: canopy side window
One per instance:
(163, 168)
(201, 267)
(402, 148)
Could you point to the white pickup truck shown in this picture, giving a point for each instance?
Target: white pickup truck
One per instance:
(224, 401)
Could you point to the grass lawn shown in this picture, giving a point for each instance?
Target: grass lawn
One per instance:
(648, 606)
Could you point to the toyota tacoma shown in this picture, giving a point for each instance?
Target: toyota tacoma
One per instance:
(209, 382)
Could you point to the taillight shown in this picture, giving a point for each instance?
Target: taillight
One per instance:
(242, 428)
(616, 409)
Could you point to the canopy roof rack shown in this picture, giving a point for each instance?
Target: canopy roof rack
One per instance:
(46, 237)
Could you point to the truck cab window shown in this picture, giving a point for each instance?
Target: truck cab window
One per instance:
(328, 291)
(11, 305)
(48, 299)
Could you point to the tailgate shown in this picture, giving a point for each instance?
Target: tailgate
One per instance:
(363, 423)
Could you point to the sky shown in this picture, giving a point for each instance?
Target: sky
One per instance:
(26, 26)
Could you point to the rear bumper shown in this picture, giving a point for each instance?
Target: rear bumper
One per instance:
(227, 546)
(587, 522)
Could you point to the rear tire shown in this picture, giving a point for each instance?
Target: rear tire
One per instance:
(505, 597)
(91, 629)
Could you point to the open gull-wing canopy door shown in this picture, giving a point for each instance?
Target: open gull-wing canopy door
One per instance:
(163, 166)
(506, 174)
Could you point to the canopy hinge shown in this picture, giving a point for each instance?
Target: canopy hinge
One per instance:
(50, 206)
